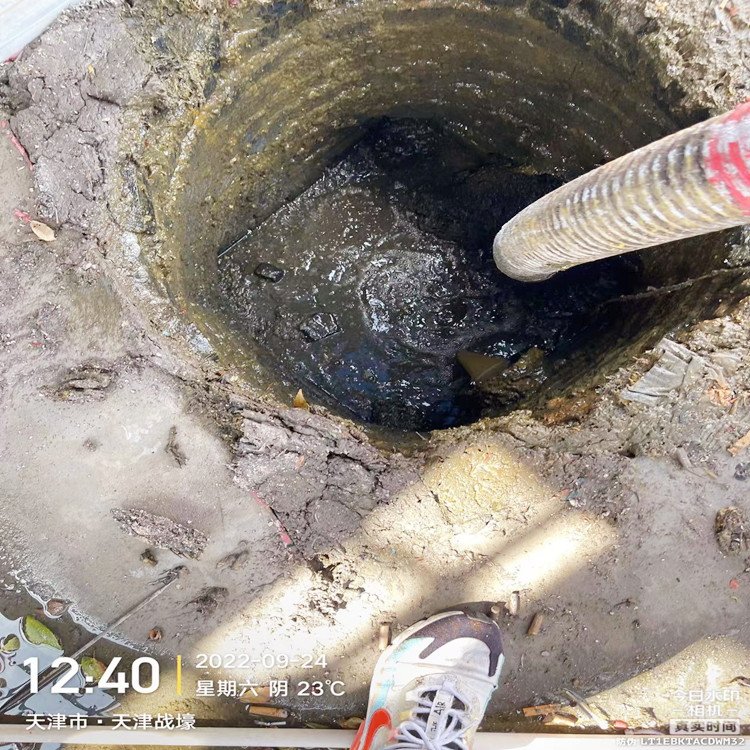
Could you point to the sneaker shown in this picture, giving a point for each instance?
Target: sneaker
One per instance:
(432, 685)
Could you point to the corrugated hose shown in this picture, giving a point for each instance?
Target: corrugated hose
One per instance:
(692, 182)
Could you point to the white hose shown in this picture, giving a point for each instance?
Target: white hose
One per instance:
(689, 183)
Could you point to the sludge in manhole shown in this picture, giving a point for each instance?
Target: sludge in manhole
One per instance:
(375, 288)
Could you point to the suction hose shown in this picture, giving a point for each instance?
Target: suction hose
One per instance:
(692, 182)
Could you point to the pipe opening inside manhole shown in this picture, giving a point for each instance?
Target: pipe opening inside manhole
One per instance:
(333, 226)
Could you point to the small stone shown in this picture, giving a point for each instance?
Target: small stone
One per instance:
(56, 607)
(41, 230)
(210, 599)
(731, 527)
(742, 471)
(269, 271)
(320, 326)
(149, 558)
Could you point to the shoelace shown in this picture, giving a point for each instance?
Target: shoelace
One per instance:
(412, 734)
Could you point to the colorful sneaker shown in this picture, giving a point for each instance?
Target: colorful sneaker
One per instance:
(431, 687)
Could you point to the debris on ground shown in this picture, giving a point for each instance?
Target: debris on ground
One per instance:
(174, 449)
(683, 459)
(720, 395)
(351, 722)
(740, 444)
(543, 709)
(320, 326)
(742, 471)
(624, 603)
(384, 635)
(586, 707)
(235, 560)
(269, 272)
(17, 145)
(567, 409)
(731, 529)
(300, 402)
(676, 367)
(38, 634)
(276, 713)
(162, 532)
(149, 558)
(83, 381)
(514, 603)
(560, 719)
(535, 627)
(56, 607)
(209, 600)
(10, 644)
(93, 668)
(155, 634)
(257, 699)
(42, 231)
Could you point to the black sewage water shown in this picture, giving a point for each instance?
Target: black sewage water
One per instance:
(375, 291)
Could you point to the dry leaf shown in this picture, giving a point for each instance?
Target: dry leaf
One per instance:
(739, 445)
(93, 668)
(720, 395)
(10, 644)
(38, 634)
(45, 233)
(299, 401)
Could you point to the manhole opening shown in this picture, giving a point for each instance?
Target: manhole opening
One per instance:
(330, 220)
(375, 290)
